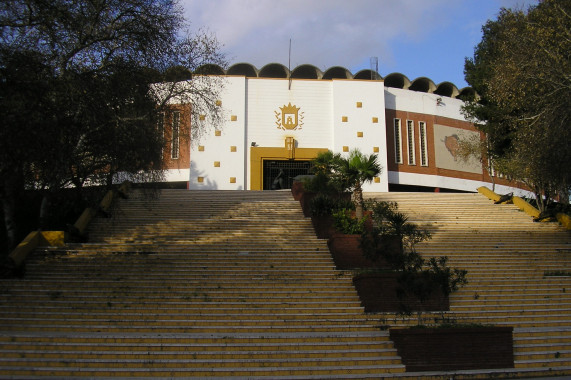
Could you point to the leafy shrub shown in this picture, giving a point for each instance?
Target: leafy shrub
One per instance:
(394, 239)
(324, 204)
(326, 178)
(347, 224)
(447, 279)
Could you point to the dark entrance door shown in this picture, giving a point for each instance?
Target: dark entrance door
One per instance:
(280, 174)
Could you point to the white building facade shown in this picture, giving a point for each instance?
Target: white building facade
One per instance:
(276, 122)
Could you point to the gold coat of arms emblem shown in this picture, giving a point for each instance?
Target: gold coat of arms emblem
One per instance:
(289, 118)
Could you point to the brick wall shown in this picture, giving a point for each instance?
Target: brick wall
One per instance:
(442, 349)
(347, 253)
(379, 293)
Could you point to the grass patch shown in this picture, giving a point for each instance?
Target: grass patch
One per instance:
(55, 295)
(556, 273)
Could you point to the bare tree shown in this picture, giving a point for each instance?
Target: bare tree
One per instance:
(76, 98)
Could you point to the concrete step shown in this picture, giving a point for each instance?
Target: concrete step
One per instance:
(239, 287)
(507, 256)
(218, 279)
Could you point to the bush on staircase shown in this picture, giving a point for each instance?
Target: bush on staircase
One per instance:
(323, 183)
(345, 242)
(322, 208)
(418, 284)
(334, 174)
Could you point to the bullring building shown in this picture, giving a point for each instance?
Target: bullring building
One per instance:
(276, 121)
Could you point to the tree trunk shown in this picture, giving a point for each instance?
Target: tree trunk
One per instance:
(564, 196)
(490, 166)
(539, 201)
(492, 177)
(8, 207)
(45, 210)
(358, 192)
(8, 196)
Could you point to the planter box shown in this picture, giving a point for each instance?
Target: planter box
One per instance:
(347, 253)
(297, 190)
(391, 244)
(368, 221)
(306, 197)
(305, 202)
(323, 226)
(445, 349)
(379, 293)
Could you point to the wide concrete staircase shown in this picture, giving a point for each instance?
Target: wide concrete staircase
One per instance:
(234, 284)
(519, 274)
(191, 284)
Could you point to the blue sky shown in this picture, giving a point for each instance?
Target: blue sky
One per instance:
(418, 38)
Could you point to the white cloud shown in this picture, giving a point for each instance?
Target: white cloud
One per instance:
(323, 33)
(415, 37)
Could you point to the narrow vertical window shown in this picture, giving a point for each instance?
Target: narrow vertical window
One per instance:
(410, 140)
(398, 142)
(423, 145)
(175, 135)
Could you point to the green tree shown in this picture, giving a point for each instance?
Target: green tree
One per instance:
(327, 179)
(358, 169)
(520, 71)
(82, 85)
(334, 173)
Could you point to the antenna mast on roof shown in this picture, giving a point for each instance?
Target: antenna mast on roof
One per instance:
(374, 67)
(289, 65)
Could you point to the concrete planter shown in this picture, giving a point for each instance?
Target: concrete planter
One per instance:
(306, 197)
(347, 253)
(379, 292)
(323, 226)
(297, 190)
(462, 348)
(305, 202)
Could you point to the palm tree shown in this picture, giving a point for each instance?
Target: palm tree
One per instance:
(327, 179)
(358, 168)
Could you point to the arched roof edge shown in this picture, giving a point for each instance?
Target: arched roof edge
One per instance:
(211, 65)
(379, 76)
(431, 85)
(245, 63)
(406, 79)
(275, 64)
(455, 91)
